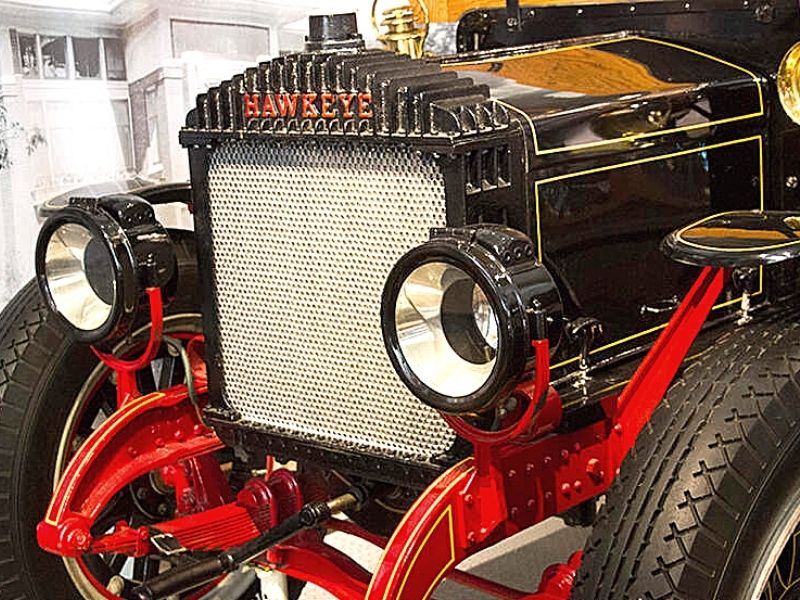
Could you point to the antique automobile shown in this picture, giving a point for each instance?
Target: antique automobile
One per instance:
(431, 302)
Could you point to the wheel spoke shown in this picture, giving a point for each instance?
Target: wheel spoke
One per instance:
(166, 377)
(146, 381)
(784, 583)
(116, 562)
(119, 509)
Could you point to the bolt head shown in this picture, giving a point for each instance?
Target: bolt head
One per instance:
(79, 539)
(594, 469)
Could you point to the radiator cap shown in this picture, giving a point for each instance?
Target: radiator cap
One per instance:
(333, 32)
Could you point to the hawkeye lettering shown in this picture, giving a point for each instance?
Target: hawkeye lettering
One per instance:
(309, 106)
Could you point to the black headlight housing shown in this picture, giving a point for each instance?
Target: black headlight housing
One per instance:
(94, 260)
(459, 314)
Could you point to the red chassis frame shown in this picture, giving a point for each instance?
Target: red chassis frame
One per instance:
(516, 478)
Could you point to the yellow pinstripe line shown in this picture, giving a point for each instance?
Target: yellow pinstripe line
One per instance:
(448, 512)
(408, 515)
(641, 161)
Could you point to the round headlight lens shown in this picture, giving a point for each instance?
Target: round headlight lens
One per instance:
(446, 329)
(79, 271)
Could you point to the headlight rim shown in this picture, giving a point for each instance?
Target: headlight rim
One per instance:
(512, 324)
(110, 233)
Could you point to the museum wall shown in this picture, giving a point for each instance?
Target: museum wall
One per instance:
(96, 91)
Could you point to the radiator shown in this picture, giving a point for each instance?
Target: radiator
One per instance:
(304, 234)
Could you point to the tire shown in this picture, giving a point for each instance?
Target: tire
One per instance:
(41, 373)
(712, 487)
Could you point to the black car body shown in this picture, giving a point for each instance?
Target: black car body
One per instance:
(593, 129)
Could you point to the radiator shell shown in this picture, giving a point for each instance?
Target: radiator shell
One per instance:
(303, 235)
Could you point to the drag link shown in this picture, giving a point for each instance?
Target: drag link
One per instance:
(184, 578)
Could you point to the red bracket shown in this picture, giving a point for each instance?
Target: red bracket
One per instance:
(127, 387)
(535, 393)
(148, 433)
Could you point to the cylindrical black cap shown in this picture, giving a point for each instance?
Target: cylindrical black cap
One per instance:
(327, 32)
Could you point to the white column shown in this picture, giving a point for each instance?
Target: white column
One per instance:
(103, 66)
(70, 58)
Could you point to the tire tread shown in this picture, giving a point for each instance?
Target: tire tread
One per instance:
(686, 487)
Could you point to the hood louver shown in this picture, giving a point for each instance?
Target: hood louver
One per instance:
(367, 93)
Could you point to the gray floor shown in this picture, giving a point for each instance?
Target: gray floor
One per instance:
(517, 562)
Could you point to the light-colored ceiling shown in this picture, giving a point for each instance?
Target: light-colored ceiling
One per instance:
(121, 13)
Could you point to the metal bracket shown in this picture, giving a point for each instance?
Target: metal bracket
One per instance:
(744, 279)
(586, 331)
(166, 543)
(513, 15)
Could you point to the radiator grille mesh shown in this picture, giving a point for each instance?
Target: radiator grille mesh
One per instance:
(304, 235)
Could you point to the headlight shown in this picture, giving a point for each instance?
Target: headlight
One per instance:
(95, 258)
(789, 83)
(459, 313)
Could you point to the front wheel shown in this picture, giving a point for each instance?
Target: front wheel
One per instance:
(707, 504)
(53, 394)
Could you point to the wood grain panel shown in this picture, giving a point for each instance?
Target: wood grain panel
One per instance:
(442, 11)
(589, 71)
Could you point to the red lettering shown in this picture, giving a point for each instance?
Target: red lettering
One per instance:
(312, 106)
(287, 104)
(309, 110)
(251, 106)
(327, 111)
(365, 106)
(347, 102)
(269, 108)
